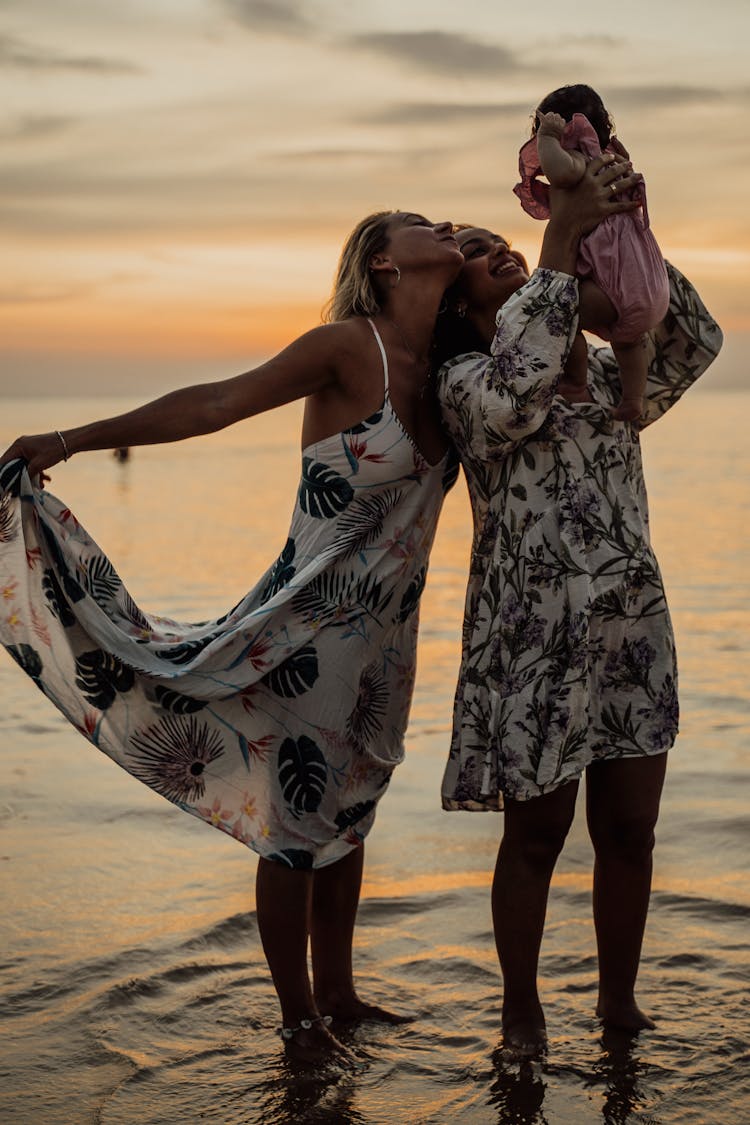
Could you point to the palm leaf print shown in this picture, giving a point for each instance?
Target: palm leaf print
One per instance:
(171, 756)
(302, 774)
(101, 676)
(8, 530)
(101, 579)
(10, 477)
(323, 596)
(365, 721)
(323, 492)
(363, 522)
(296, 675)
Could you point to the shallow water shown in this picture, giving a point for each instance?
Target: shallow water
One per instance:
(132, 985)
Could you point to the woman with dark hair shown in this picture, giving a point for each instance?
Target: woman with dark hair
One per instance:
(568, 661)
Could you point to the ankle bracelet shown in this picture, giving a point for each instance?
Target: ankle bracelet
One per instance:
(288, 1033)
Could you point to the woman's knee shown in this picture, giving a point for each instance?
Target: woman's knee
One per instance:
(536, 835)
(628, 837)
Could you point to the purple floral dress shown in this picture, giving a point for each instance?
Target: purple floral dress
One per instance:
(568, 651)
(281, 722)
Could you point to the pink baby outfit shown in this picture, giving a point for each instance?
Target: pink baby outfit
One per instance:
(621, 255)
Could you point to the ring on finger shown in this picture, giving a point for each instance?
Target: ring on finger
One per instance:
(613, 188)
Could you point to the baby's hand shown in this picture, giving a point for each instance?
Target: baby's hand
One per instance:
(550, 125)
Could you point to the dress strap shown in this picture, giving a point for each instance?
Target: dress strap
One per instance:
(382, 352)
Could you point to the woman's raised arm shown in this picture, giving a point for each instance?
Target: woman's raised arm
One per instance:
(304, 367)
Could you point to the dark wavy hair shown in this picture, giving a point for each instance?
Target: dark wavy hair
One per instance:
(454, 335)
(579, 99)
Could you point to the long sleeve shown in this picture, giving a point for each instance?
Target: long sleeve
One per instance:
(681, 348)
(492, 401)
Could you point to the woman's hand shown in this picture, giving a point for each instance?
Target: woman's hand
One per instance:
(598, 194)
(39, 451)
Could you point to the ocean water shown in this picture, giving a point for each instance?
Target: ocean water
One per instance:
(132, 984)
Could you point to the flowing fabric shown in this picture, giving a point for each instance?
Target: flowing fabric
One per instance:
(280, 722)
(568, 651)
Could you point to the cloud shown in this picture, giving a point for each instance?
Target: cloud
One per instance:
(428, 113)
(660, 97)
(285, 16)
(15, 52)
(33, 127)
(439, 51)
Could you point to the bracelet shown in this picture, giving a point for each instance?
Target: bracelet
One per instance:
(66, 455)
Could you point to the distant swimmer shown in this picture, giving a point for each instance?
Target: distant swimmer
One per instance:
(122, 453)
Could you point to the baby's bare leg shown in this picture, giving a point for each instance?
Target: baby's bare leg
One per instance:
(596, 311)
(632, 361)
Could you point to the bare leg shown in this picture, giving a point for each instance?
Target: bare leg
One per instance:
(622, 807)
(574, 381)
(534, 834)
(284, 900)
(632, 361)
(335, 899)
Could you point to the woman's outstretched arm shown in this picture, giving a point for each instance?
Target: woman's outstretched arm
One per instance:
(306, 366)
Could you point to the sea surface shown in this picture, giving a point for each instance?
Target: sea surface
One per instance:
(133, 989)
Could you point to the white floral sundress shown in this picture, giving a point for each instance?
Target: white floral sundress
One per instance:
(568, 652)
(281, 722)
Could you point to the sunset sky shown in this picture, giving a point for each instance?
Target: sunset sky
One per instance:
(179, 175)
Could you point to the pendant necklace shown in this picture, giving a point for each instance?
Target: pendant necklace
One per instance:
(419, 363)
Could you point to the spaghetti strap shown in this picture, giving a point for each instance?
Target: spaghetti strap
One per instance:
(382, 352)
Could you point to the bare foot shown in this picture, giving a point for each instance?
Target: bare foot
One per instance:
(629, 410)
(316, 1046)
(524, 1031)
(351, 1009)
(627, 1017)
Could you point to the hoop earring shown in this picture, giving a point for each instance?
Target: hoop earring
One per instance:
(461, 311)
(397, 272)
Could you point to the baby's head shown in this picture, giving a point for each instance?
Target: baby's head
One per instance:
(579, 99)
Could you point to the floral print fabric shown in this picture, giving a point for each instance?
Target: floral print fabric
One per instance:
(281, 722)
(568, 652)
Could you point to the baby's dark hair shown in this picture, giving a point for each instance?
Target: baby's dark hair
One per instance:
(579, 99)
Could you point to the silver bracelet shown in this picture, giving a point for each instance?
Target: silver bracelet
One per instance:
(66, 455)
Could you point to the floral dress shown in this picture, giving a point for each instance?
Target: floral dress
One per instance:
(568, 652)
(281, 722)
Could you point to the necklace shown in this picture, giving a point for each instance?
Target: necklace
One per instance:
(424, 363)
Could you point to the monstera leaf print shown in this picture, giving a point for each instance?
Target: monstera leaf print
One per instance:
(8, 529)
(363, 522)
(323, 493)
(413, 593)
(101, 676)
(347, 817)
(362, 427)
(282, 572)
(72, 587)
(28, 659)
(296, 858)
(296, 675)
(101, 579)
(172, 756)
(302, 774)
(183, 653)
(56, 600)
(176, 703)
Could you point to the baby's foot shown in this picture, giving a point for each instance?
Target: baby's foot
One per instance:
(629, 409)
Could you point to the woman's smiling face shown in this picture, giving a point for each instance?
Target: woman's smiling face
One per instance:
(491, 271)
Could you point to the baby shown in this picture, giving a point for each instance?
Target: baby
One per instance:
(623, 289)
